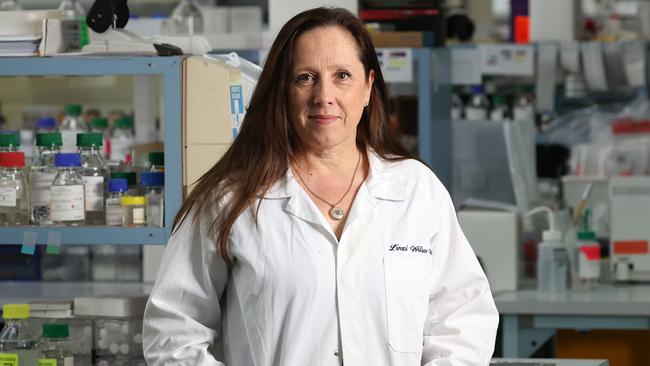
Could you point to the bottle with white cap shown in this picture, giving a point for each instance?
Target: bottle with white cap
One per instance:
(552, 258)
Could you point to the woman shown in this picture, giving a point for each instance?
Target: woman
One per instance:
(317, 239)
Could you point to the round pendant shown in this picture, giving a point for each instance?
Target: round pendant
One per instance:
(337, 213)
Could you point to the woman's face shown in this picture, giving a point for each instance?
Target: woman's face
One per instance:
(328, 88)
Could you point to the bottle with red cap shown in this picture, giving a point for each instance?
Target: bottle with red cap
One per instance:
(14, 196)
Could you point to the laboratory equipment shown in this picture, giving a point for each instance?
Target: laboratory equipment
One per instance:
(42, 173)
(153, 186)
(75, 32)
(122, 140)
(95, 174)
(630, 233)
(552, 258)
(117, 188)
(17, 342)
(67, 191)
(53, 347)
(185, 19)
(71, 125)
(134, 210)
(14, 196)
(9, 141)
(478, 106)
(573, 188)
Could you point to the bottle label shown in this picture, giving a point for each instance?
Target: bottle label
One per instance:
(114, 212)
(8, 196)
(67, 203)
(40, 189)
(68, 361)
(138, 216)
(475, 114)
(46, 362)
(589, 261)
(94, 187)
(9, 359)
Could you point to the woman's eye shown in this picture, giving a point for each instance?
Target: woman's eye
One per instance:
(343, 75)
(305, 77)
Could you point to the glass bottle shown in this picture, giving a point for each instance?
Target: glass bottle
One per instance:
(67, 191)
(132, 181)
(134, 210)
(45, 125)
(76, 32)
(478, 106)
(156, 162)
(53, 346)
(95, 174)
(122, 140)
(17, 342)
(14, 196)
(117, 188)
(524, 106)
(499, 110)
(9, 141)
(185, 20)
(100, 125)
(42, 174)
(153, 186)
(71, 125)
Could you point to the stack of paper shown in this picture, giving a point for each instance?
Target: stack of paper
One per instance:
(19, 45)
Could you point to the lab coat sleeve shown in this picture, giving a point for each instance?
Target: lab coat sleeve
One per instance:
(182, 318)
(462, 319)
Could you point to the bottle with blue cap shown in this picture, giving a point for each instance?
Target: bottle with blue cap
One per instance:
(67, 191)
(478, 106)
(46, 125)
(153, 184)
(17, 341)
(117, 188)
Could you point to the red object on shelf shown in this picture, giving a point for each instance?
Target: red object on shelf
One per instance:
(522, 29)
(13, 159)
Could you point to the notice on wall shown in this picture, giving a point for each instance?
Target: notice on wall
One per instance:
(510, 60)
(396, 64)
(466, 66)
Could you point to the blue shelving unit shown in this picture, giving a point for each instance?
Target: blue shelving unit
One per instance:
(169, 69)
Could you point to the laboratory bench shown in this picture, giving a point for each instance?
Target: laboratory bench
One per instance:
(529, 320)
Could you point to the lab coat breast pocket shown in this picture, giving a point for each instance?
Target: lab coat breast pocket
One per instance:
(407, 300)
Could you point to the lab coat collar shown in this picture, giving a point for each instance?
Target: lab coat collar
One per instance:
(382, 182)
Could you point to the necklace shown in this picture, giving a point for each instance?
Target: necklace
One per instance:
(336, 212)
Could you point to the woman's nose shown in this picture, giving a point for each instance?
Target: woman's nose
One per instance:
(324, 93)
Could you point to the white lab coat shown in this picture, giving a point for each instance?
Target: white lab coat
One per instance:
(402, 287)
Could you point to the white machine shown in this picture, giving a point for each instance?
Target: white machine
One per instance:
(630, 228)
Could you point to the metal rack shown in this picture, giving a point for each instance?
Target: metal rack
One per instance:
(169, 69)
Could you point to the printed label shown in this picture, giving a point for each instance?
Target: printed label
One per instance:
(138, 216)
(589, 261)
(40, 188)
(68, 361)
(9, 359)
(8, 197)
(94, 190)
(67, 203)
(236, 107)
(475, 114)
(46, 362)
(114, 212)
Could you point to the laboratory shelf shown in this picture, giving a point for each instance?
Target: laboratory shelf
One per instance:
(169, 69)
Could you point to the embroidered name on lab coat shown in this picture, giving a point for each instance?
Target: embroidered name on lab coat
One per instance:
(407, 248)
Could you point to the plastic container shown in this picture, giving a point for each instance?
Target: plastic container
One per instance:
(67, 191)
(17, 342)
(117, 188)
(589, 256)
(76, 31)
(46, 125)
(122, 140)
(53, 347)
(9, 141)
(71, 125)
(14, 196)
(42, 174)
(95, 173)
(134, 210)
(153, 185)
(156, 162)
(478, 106)
(552, 259)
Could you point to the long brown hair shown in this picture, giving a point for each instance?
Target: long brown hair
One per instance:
(267, 142)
